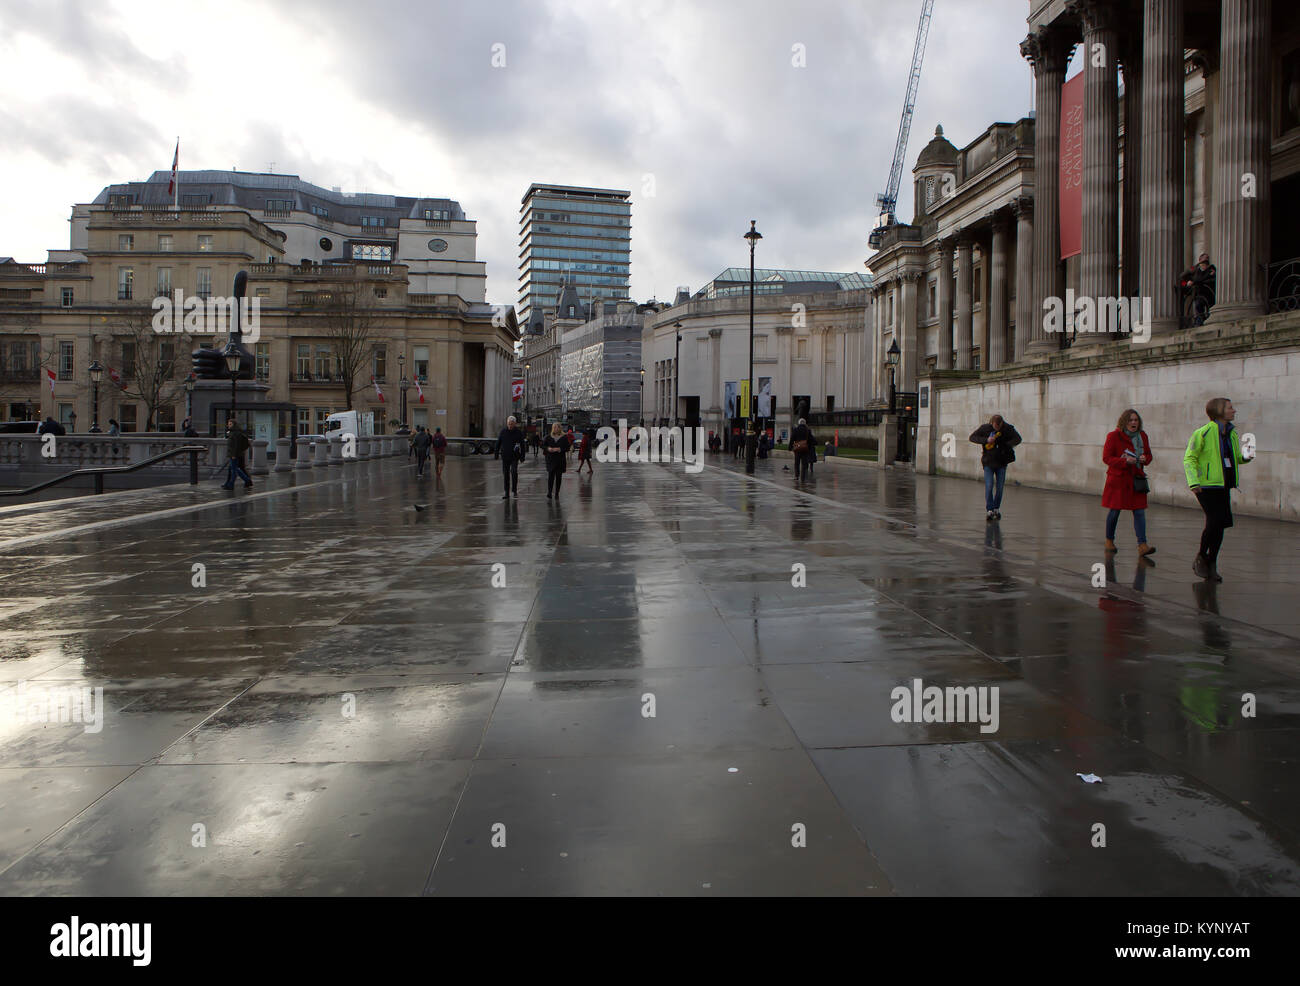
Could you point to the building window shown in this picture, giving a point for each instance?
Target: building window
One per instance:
(203, 282)
(381, 292)
(196, 199)
(125, 242)
(890, 320)
(760, 347)
(304, 361)
(121, 201)
(372, 251)
(379, 221)
(67, 416)
(66, 294)
(975, 361)
(324, 365)
(321, 414)
(165, 243)
(263, 358)
(127, 356)
(443, 214)
(125, 283)
(126, 417)
(420, 357)
(279, 206)
(379, 365)
(166, 418)
(262, 293)
(205, 243)
(320, 210)
(164, 280)
(933, 308)
(801, 349)
(167, 359)
(304, 421)
(570, 311)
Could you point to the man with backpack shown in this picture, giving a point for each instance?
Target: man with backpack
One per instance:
(237, 444)
(439, 443)
(421, 443)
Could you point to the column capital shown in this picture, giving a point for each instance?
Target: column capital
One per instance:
(965, 240)
(784, 330)
(715, 333)
(1206, 59)
(1001, 220)
(914, 275)
(1094, 15)
(1047, 50)
(946, 245)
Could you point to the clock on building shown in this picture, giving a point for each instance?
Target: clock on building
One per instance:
(437, 245)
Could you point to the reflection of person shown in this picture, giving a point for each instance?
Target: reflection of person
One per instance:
(1126, 452)
(1210, 462)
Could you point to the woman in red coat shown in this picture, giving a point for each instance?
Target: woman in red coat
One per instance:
(1126, 452)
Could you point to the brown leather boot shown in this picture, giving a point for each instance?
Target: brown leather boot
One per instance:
(1145, 549)
(1110, 546)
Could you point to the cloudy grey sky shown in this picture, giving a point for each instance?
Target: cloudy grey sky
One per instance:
(696, 107)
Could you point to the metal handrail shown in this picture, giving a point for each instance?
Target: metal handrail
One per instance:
(99, 472)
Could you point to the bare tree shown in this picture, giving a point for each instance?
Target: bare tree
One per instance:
(348, 319)
(23, 362)
(147, 361)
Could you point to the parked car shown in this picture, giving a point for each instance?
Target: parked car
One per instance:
(19, 427)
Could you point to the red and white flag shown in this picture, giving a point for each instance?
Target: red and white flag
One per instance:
(50, 375)
(116, 377)
(419, 389)
(517, 389)
(176, 160)
(379, 392)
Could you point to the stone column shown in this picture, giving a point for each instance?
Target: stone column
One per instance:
(1048, 51)
(282, 463)
(1132, 209)
(1099, 262)
(1161, 238)
(999, 266)
(784, 333)
(1242, 196)
(965, 306)
(715, 351)
(908, 329)
(1026, 314)
(944, 342)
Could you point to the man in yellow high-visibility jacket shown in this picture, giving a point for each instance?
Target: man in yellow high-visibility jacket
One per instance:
(1211, 462)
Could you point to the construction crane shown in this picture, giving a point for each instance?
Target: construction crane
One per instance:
(888, 199)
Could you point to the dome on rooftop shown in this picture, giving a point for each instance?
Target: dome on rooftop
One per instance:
(938, 152)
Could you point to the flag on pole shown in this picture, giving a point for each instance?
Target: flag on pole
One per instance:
(419, 389)
(517, 389)
(116, 377)
(173, 186)
(50, 375)
(378, 392)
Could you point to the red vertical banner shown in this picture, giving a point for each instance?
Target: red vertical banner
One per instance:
(1071, 167)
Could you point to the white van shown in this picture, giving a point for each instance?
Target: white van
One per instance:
(359, 423)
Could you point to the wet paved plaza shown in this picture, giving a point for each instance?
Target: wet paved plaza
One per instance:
(349, 705)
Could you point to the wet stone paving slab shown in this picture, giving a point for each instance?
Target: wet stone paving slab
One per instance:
(354, 682)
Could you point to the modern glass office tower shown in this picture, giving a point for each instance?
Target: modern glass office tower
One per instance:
(582, 235)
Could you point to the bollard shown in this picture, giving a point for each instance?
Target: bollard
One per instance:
(322, 450)
(305, 453)
(336, 450)
(282, 463)
(257, 461)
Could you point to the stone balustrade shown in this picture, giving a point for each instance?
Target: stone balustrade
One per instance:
(83, 450)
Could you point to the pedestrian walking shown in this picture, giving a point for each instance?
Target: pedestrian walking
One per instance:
(511, 446)
(187, 428)
(1126, 454)
(999, 440)
(439, 443)
(584, 452)
(50, 427)
(114, 429)
(1211, 462)
(422, 442)
(555, 447)
(237, 444)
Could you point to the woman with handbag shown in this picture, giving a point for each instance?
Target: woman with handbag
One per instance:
(801, 444)
(1126, 452)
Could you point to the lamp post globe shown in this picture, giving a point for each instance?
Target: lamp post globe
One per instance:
(891, 361)
(232, 356)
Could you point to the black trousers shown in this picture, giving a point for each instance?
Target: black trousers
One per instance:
(510, 471)
(553, 477)
(1216, 501)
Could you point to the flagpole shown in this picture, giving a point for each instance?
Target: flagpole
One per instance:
(176, 185)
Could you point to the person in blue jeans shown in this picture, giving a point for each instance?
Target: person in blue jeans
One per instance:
(237, 444)
(998, 439)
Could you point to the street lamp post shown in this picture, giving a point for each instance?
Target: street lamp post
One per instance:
(751, 437)
(189, 398)
(96, 374)
(641, 410)
(891, 361)
(677, 371)
(527, 367)
(232, 356)
(403, 385)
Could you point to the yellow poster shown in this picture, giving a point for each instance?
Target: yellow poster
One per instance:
(745, 408)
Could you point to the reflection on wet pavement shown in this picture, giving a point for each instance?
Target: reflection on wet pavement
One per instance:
(665, 684)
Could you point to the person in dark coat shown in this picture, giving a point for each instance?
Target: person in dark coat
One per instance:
(422, 443)
(187, 428)
(50, 427)
(805, 454)
(555, 447)
(512, 446)
(999, 440)
(1125, 453)
(237, 444)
